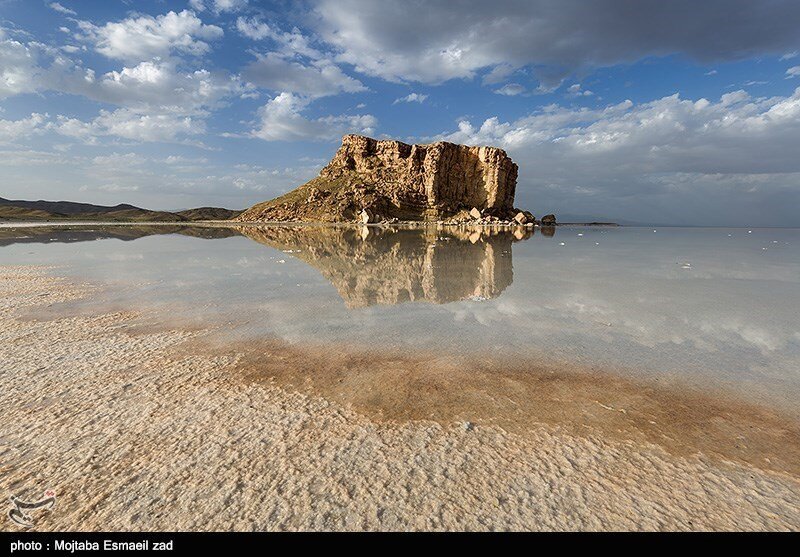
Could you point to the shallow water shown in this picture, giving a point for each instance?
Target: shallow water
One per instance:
(714, 308)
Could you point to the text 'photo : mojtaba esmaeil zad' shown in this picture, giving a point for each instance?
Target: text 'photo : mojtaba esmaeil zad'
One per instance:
(330, 266)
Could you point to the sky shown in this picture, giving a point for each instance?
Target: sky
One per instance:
(678, 112)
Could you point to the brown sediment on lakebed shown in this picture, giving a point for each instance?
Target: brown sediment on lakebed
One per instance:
(152, 429)
(519, 398)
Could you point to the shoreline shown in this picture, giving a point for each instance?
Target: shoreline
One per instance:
(402, 224)
(133, 427)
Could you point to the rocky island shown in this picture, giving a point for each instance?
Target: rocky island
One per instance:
(370, 180)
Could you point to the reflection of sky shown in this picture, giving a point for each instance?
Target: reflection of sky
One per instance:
(696, 302)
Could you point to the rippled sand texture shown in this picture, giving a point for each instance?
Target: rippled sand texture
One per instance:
(134, 432)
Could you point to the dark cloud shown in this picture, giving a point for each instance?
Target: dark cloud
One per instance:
(442, 39)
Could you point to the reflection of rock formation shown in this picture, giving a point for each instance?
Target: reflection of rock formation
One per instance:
(548, 231)
(371, 266)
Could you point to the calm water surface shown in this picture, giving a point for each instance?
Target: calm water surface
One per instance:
(716, 307)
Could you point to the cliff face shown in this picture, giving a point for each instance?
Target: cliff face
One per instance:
(390, 179)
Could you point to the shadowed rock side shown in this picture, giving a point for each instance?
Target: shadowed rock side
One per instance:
(371, 266)
(393, 180)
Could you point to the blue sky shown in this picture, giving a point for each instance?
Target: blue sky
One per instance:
(669, 112)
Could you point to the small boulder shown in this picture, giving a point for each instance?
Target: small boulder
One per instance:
(475, 213)
(521, 218)
(365, 216)
(549, 220)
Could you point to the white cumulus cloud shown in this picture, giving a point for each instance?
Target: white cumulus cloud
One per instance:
(668, 160)
(218, 6)
(254, 28)
(19, 70)
(129, 124)
(282, 119)
(412, 98)
(13, 130)
(62, 9)
(576, 91)
(510, 89)
(160, 84)
(144, 37)
(153, 88)
(317, 78)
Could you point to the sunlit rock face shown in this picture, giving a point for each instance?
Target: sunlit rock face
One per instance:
(370, 266)
(391, 179)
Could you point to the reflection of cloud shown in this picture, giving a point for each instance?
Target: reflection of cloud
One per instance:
(759, 337)
(606, 316)
(125, 257)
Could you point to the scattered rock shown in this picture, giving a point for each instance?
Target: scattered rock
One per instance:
(549, 220)
(475, 213)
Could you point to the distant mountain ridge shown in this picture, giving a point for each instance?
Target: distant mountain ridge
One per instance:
(22, 210)
(67, 207)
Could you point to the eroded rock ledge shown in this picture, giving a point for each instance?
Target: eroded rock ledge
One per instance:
(371, 180)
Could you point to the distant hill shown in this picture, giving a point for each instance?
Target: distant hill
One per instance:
(209, 213)
(20, 210)
(65, 207)
(9, 212)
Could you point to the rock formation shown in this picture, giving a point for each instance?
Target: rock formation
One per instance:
(372, 180)
(387, 266)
